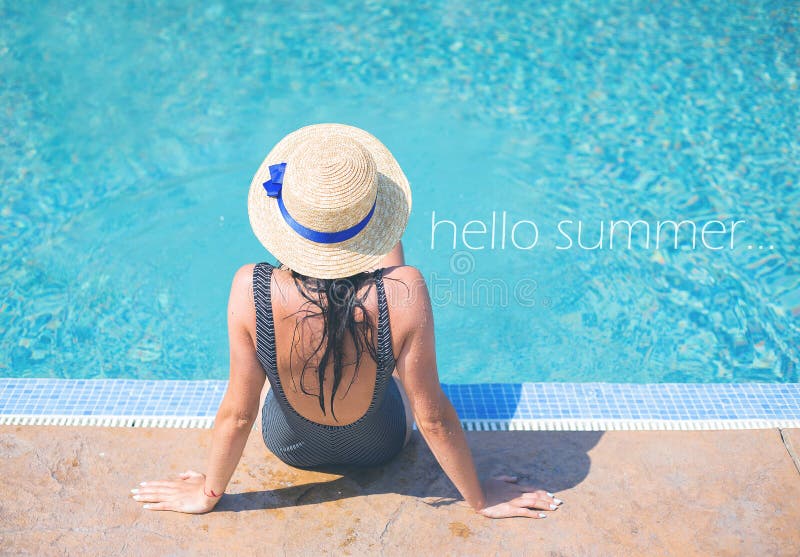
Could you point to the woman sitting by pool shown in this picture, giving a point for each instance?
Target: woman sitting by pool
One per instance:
(331, 203)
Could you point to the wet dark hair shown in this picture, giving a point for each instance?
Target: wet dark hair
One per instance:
(338, 302)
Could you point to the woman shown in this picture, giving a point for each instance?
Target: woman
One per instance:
(342, 332)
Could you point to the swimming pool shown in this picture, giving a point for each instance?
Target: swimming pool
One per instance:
(130, 135)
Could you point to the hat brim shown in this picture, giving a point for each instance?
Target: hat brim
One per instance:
(362, 252)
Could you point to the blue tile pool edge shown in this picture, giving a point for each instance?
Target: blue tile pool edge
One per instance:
(481, 407)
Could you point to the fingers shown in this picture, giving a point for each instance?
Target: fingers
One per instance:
(164, 506)
(147, 491)
(539, 499)
(182, 495)
(534, 502)
(528, 513)
(507, 510)
(153, 496)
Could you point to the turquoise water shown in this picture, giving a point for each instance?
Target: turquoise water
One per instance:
(130, 135)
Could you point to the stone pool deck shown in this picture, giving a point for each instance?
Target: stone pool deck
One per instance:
(736, 492)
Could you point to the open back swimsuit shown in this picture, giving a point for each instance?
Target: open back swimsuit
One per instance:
(373, 439)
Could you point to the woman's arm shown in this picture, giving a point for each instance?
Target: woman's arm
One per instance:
(194, 492)
(437, 420)
(239, 407)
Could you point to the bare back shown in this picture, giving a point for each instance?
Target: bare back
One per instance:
(298, 333)
(297, 339)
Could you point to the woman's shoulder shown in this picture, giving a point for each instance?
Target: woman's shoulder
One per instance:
(406, 274)
(406, 289)
(242, 285)
(243, 278)
(241, 301)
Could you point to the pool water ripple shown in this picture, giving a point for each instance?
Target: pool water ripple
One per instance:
(131, 132)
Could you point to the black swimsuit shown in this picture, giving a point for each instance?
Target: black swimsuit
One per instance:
(373, 439)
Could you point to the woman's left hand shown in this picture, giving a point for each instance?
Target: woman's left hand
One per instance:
(185, 495)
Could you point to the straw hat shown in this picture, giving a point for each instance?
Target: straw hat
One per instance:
(329, 201)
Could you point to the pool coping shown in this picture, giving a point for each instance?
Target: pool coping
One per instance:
(481, 407)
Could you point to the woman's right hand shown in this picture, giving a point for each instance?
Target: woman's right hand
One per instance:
(185, 495)
(505, 498)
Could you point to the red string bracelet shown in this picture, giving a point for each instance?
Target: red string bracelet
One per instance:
(212, 493)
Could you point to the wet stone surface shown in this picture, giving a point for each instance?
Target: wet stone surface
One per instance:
(626, 493)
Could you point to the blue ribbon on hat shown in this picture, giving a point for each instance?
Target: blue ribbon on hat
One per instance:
(273, 187)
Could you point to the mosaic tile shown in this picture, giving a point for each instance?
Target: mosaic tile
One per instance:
(521, 401)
